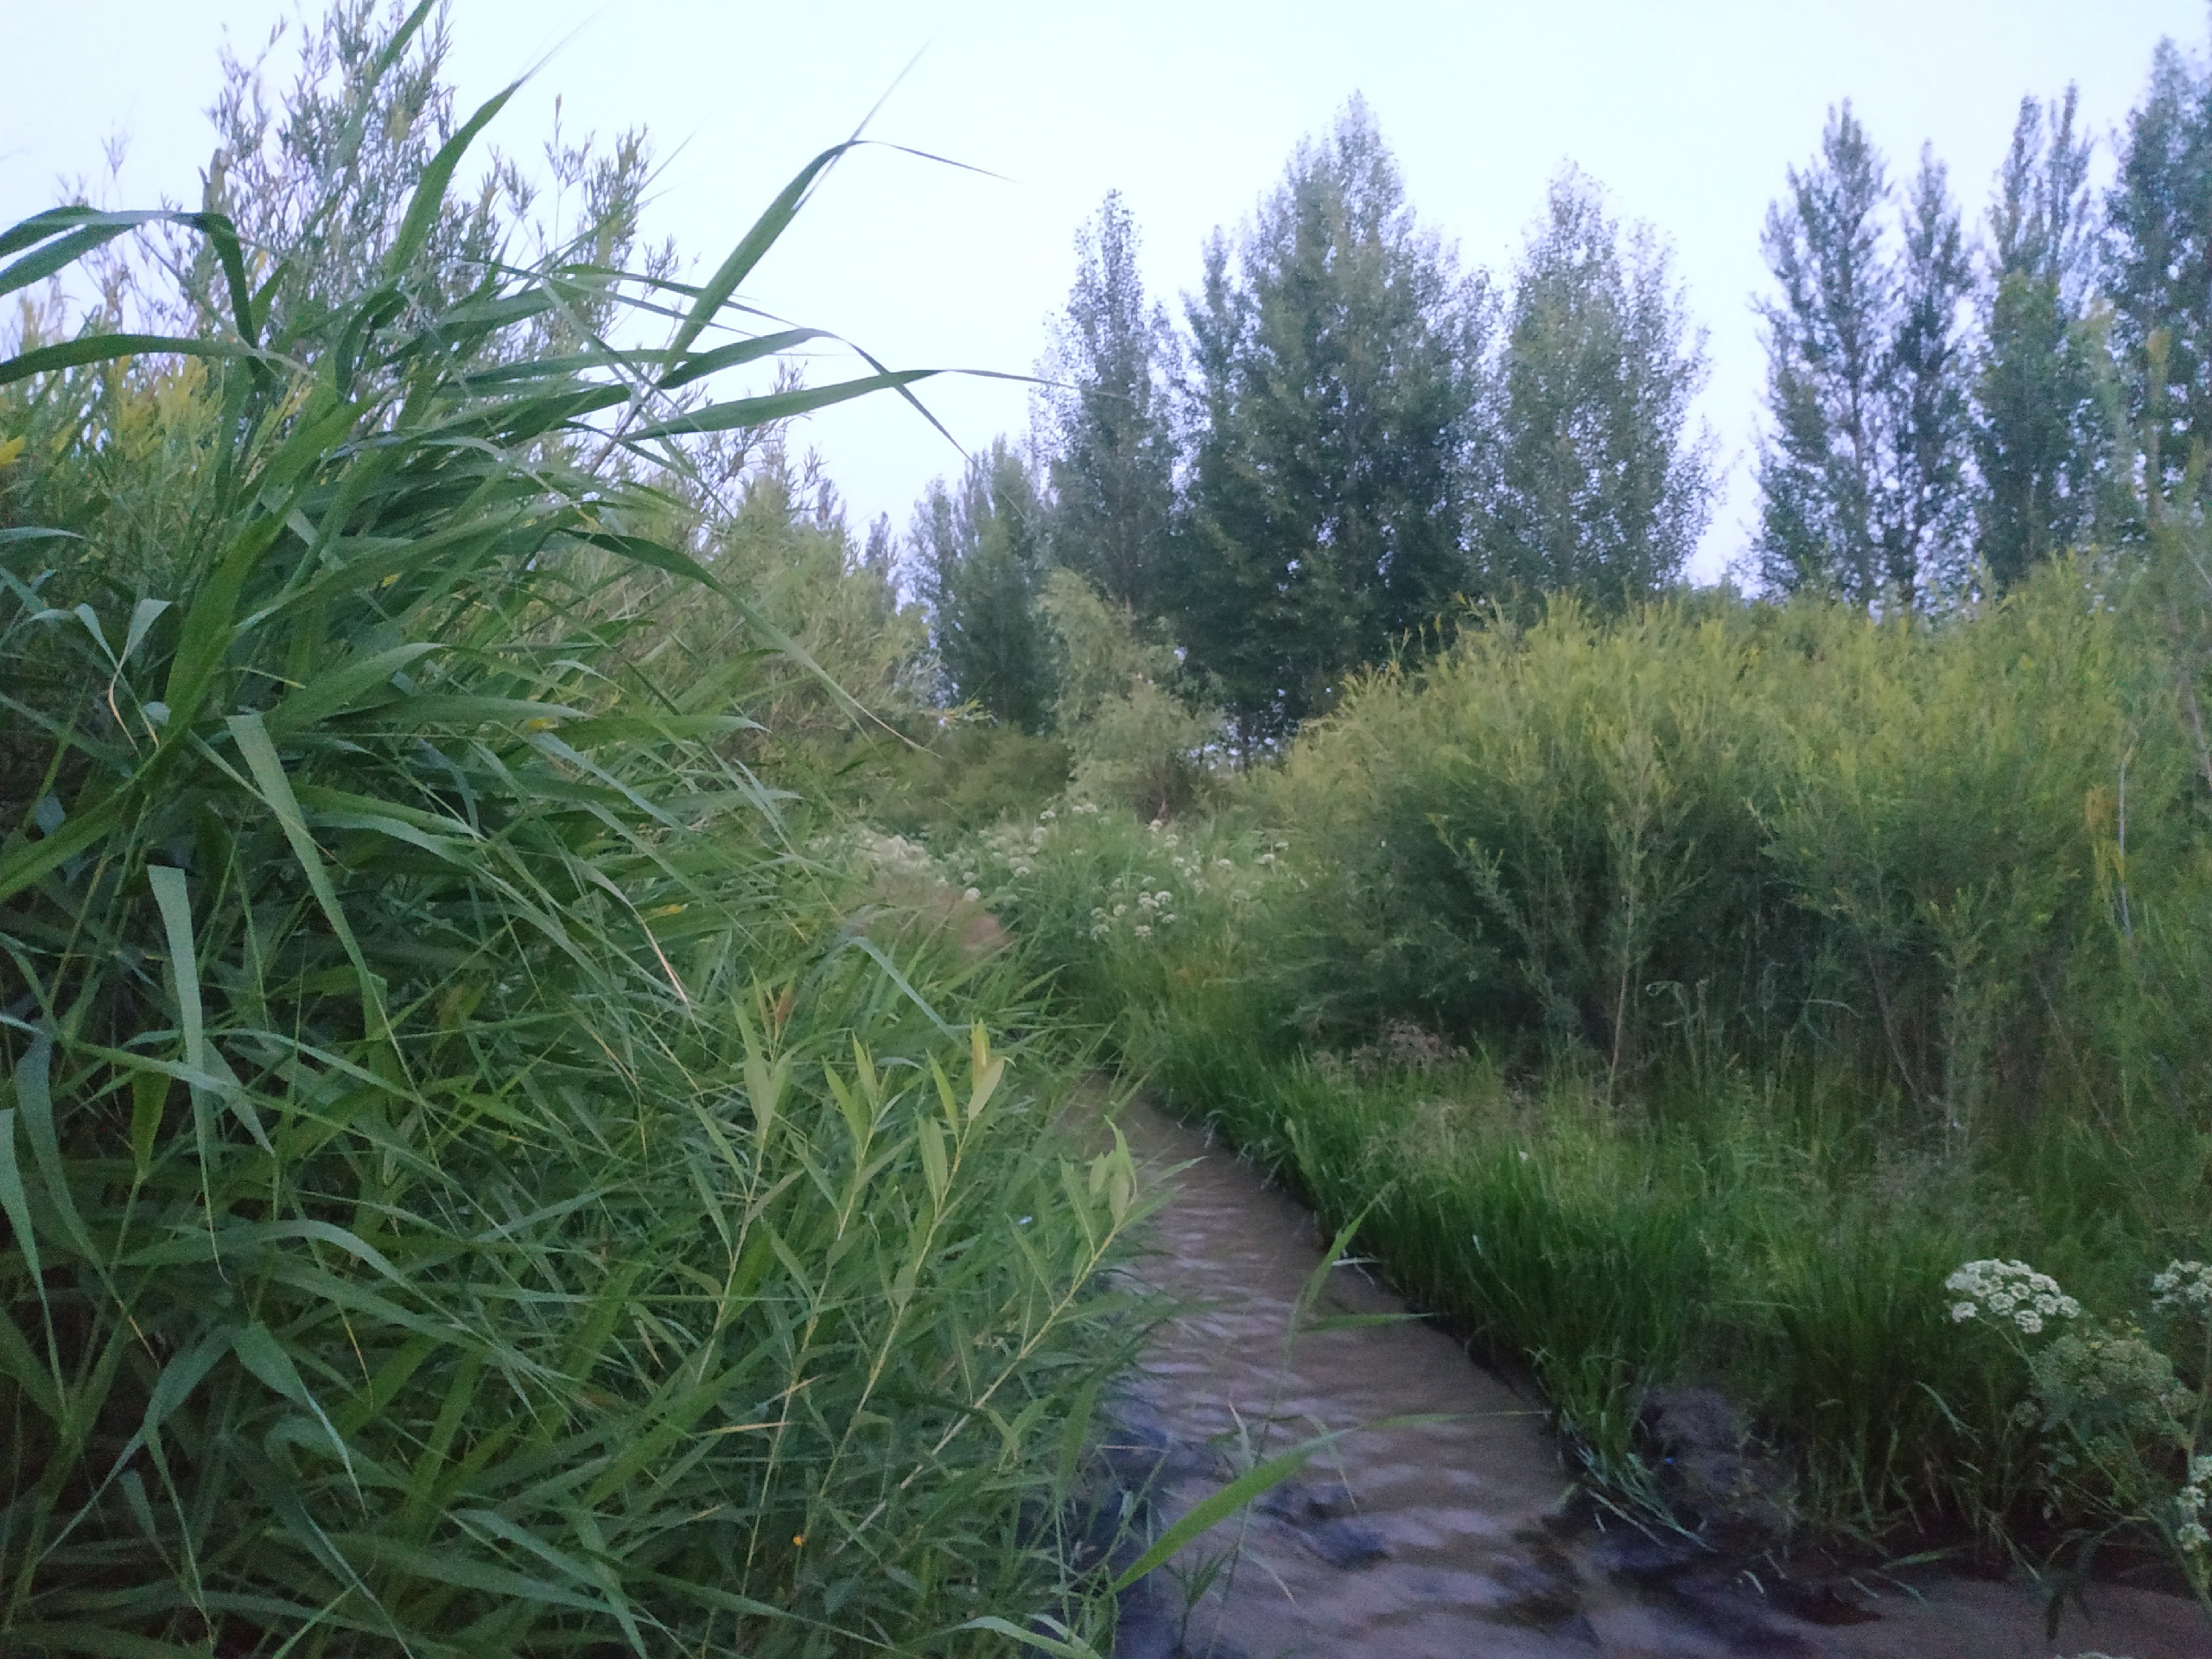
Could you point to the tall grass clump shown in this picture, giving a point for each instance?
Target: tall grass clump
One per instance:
(472, 1183)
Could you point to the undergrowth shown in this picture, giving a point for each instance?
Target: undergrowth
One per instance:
(1681, 1000)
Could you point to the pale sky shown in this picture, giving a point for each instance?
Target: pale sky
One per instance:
(1687, 113)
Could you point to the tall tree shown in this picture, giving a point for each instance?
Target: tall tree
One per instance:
(2040, 426)
(1334, 357)
(1863, 470)
(1600, 484)
(979, 560)
(1106, 417)
(2159, 277)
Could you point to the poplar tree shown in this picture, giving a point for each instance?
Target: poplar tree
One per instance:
(978, 555)
(1600, 484)
(1106, 417)
(1863, 470)
(2159, 274)
(1334, 353)
(2040, 437)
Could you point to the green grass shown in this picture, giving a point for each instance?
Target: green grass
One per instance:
(474, 1183)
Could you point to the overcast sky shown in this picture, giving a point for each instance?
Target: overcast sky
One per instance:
(1687, 113)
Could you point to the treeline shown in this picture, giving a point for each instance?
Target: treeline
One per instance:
(1347, 436)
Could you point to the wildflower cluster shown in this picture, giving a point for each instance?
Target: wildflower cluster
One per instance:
(1009, 852)
(1145, 901)
(1152, 907)
(894, 854)
(2010, 1291)
(2184, 1288)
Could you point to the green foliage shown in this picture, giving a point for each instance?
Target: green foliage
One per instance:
(1601, 487)
(1863, 474)
(1758, 828)
(981, 559)
(1112, 364)
(2044, 438)
(1804, 956)
(1135, 744)
(968, 776)
(2158, 268)
(1335, 377)
(470, 1185)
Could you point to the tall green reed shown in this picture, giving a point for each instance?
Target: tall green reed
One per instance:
(471, 1186)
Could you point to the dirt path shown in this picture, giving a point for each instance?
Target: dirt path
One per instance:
(1445, 1538)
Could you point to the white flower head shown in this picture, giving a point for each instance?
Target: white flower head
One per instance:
(2008, 1291)
(2184, 1287)
(1142, 931)
(972, 894)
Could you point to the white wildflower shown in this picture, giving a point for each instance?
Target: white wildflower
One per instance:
(2185, 1286)
(1162, 896)
(1142, 931)
(1224, 864)
(1047, 816)
(2008, 1291)
(1120, 910)
(972, 894)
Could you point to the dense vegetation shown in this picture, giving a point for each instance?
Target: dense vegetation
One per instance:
(1683, 986)
(481, 1174)
(1679, 1004)
(519, 1133)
